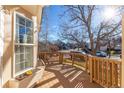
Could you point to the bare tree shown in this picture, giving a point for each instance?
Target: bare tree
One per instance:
(45, 28)
(81, 29)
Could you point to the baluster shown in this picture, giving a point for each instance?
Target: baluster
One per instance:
(116, 75)
(120, 74)
(107, 73)
(105, 70)
(94, 69)
(102, 72)
(91, 69)
(113, 77)
(98, 70)
(110, 74)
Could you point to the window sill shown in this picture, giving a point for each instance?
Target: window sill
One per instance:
(23, 71)
(28, 81)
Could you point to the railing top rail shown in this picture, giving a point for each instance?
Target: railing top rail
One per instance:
(100, 59)
(95, 58)
(48, 52)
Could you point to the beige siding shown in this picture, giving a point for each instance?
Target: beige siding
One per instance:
(7, 55)
(1, 42)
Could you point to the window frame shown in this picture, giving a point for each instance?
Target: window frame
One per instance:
(23, 44)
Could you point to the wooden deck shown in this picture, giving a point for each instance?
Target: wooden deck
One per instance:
(65, 76)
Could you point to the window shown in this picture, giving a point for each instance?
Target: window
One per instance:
(23, 44)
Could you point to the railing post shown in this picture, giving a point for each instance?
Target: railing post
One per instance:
(72, 59)
(87, 61)
(122, 65)
(60, 58)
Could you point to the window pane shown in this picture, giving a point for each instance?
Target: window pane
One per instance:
(19, 54)
(21, 34)
(20, 20)
(17, 33)
(29, 31)
(27, 65)
(28, 23)
(29, 49)
(22, 59)
(29, 54)
(21, 39)
(17, 49)
(17, 58)
(21, 30)
(21, 49)
(29, 39)
(31, 63)
(25, 39)
(25, 36)
(17, 19)
(22, 66)
(17, 68)
(29, 58)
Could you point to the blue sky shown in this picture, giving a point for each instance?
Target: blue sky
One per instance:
(53, 13)
(54, 20)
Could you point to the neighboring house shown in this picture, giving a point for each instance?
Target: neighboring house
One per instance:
(19, 26)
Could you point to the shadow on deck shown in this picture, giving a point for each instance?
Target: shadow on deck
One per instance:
(65, 76)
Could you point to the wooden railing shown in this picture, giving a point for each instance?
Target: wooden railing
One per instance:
(79, 60)
(105, 72)
(46, 56)
(75, 59)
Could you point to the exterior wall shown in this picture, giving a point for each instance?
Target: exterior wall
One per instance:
(7, 54)
(1, 42)
(9, 41)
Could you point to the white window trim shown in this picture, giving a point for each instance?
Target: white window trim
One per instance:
(14, 43)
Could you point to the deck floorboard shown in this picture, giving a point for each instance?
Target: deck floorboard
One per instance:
(65, 76)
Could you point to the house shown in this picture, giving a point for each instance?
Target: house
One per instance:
(19, 27)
